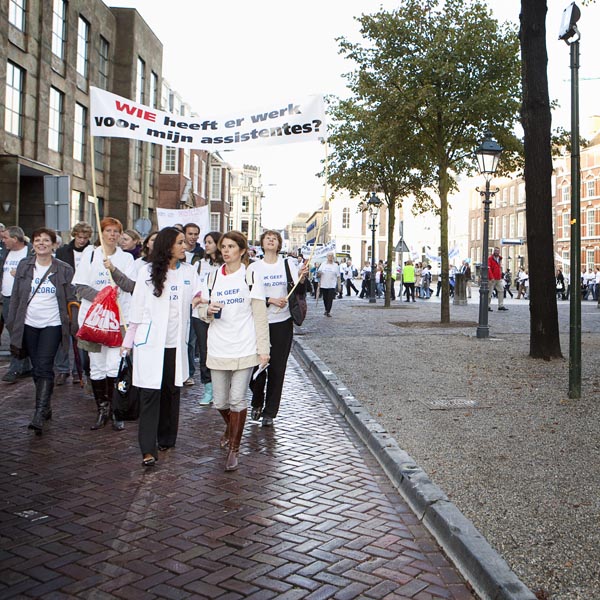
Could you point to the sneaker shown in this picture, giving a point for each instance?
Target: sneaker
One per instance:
(490, 309)
(11, 377)
(189, 381)
(502, 308)
(267, 422)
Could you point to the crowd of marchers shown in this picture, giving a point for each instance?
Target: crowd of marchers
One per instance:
(182, 306)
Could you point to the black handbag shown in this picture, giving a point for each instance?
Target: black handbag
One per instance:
(125, 400)
(296, 298)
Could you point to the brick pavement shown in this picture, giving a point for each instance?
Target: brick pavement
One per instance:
(308, 515)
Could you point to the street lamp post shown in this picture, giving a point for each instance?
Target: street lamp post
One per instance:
(570, 34)
(373, 204)
(488, 155)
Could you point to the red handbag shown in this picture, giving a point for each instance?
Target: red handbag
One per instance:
(102, 324)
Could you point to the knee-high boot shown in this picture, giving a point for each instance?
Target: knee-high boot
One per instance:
(224, 442)
(117, 423)
(236, 429)
(102, 403)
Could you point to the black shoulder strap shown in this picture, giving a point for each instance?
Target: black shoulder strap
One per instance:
(212, 276)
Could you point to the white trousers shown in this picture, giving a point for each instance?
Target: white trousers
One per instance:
(230, 388)
(104, 363)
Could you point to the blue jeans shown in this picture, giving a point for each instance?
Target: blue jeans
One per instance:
(42, 344)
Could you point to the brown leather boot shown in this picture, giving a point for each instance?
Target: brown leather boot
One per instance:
(224, 442)
(236, 429)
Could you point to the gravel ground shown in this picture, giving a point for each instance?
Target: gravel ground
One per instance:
(524, 463)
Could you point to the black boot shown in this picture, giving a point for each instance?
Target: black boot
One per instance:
(117, 423)
(46, 388)
(37, 422)
(102, 403)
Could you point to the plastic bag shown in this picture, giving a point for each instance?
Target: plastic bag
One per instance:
(102, 324)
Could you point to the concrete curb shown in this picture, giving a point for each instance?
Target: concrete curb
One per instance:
(479, 563)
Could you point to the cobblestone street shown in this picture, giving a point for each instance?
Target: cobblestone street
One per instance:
(309, 514)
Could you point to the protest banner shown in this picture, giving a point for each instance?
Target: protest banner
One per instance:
(168, 217)
(296, 120)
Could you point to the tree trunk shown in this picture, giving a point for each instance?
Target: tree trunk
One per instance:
(536, 119)
(390, 249)
(444, 188)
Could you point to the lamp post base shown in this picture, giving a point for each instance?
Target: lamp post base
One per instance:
(483, 332)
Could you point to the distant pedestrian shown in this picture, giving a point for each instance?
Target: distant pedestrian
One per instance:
(329, 282)
(495, 279)
(408, 278)
(507, 276)
(365, 286)
(350, 272)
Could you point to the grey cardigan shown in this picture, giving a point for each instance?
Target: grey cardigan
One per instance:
(60, 275)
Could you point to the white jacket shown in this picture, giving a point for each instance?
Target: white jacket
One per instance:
(152, 316)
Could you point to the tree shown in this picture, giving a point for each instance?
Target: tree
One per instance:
(369, 154)
(447, 71)
(544, 341)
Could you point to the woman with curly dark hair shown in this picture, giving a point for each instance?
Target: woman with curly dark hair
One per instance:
(159, 324)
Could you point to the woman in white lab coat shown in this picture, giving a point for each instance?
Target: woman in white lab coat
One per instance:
(159, 327)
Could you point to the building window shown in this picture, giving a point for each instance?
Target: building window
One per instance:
(521, 224)
(169, 159)
(369, 253)
(136, 211)
(195, 174)
(215, 221)
(492, 231)
(79, 132)
(55, 125)
(589, 255)
(566, 194)
(591, 222)
(521, 198)
(511, 226)
(215, 184)
(13, 112)
(83, 35)
(140, 81)
(186, 163)
(137, 159)
(505, 226)
(346, 218)
(244, 227)
(590, 188)
(59, 28)
(473, 232)
(16, 14)
(103, 63)
(77, 207)
(566, 225)
(153, 150)
(245, 204)
(153, 90)
(566, 262)
(346, 248)
(99, 153)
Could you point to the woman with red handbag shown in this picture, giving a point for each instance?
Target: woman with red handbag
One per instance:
(91, 277)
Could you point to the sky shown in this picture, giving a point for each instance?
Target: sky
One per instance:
(220, 55)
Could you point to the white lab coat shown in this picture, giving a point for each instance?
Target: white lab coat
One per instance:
(152, 314)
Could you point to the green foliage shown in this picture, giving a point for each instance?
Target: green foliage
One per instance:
(430, 78)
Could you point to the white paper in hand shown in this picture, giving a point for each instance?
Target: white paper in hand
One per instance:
(259, 371)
